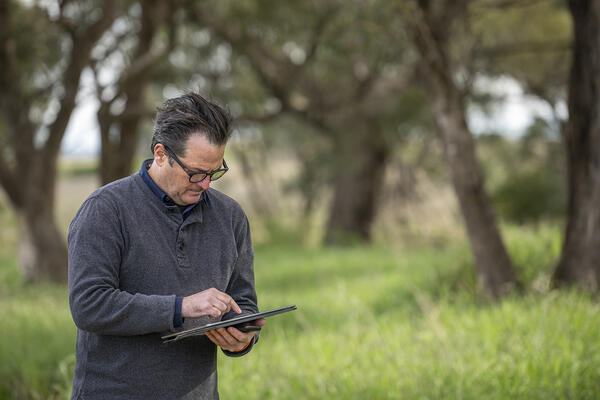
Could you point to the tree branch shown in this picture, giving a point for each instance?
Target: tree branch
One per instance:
(317, 32)
(505, 4)
(77, 61)
(525, 47)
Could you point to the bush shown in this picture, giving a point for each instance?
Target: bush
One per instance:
(530, 196)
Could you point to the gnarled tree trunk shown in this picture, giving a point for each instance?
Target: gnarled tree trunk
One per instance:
(28, 169)
(580, 259)
(357, 187)
(431, 31)
(495, 273)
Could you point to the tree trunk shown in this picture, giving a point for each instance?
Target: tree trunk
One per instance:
(120, 133)
(580, 259)
(495, 273)
(29, 179)
(261, 198)
(117, 153)
(356, 190)
(42, 250)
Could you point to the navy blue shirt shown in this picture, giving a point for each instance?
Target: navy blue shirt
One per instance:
(185, 211)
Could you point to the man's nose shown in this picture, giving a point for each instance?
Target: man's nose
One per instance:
(205, 183)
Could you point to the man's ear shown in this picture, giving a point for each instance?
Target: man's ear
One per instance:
(160, 154)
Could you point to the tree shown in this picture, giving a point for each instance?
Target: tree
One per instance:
(580, 259)
(432, 24)
(122, 100)
(344, 82)
(43, 53)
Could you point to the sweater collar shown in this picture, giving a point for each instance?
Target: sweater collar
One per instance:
(162, 195)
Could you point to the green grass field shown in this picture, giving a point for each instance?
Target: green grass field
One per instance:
(372, 323)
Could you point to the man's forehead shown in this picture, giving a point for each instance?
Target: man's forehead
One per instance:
(201, 154)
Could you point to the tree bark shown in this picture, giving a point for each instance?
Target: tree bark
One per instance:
(579, 263)
(117, 153)
(29, 177)
(495, 272)
(358, 184)
(119, 134)
(42, 250)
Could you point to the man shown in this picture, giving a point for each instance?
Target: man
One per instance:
(157, 251)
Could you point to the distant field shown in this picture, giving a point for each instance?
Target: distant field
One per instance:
(372, 323)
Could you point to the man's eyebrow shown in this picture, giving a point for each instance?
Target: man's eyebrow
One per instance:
(197, 171)
(201, 171)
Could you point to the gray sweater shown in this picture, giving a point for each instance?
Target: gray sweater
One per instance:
(130, 255)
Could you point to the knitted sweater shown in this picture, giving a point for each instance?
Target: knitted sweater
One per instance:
(130, 255)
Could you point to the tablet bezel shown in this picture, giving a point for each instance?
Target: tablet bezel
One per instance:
(199, 330)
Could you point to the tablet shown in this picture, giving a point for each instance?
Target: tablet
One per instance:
(223, 324)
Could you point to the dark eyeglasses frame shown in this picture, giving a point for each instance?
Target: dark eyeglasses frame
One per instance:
(191, 173)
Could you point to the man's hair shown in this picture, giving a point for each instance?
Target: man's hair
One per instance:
(190, 114)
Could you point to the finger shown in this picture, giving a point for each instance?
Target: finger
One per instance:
(214, 312)
(230, 303)
(240, 337)
(224, 340)
(227, 337)
(235, 307)
(214, 338)
(220, 306)
(222, 301)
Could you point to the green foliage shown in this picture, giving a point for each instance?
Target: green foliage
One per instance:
(37, 343)
(37, 44)
(530, 196)
(370, 323)
(526, 177)
(534, 251)
(528, 41)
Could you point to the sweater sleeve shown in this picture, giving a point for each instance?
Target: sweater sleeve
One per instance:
(241, 285)
(96, 244)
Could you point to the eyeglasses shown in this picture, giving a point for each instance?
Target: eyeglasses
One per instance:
(199, 176)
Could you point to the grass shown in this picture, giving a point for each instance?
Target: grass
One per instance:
(372, 323)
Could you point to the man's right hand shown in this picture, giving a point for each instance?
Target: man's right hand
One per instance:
(211, 302)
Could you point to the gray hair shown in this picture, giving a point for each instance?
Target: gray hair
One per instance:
(189, 114)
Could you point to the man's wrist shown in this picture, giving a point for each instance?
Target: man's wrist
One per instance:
(177, 316)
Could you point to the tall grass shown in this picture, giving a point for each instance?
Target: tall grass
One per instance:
(372, 323)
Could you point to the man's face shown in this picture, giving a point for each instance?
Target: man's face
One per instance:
(200, 155)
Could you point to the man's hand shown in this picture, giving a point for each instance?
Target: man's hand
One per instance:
(232, 339)
(211, 302)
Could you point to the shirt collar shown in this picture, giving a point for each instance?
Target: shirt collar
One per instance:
(162, 195)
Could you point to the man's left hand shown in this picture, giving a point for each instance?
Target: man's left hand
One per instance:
(232, 339)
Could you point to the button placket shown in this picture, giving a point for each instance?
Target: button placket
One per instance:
(180, 248)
